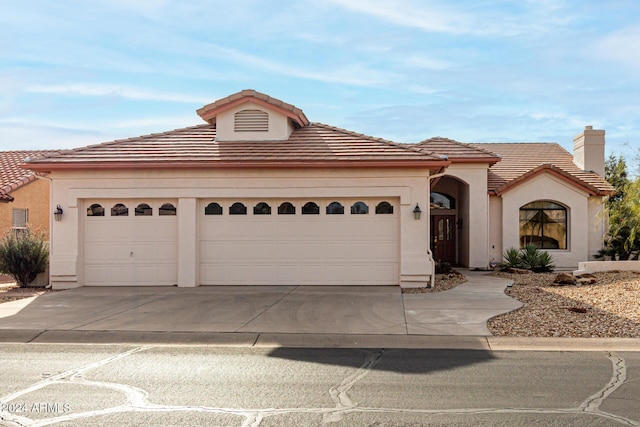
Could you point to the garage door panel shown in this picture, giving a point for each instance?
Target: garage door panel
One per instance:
(130, 251)
(319, 274)
(299, 249)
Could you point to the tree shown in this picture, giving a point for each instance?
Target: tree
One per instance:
(23, 254)
(623, 209)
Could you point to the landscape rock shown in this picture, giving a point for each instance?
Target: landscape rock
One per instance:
(564, 279)
(586, 280)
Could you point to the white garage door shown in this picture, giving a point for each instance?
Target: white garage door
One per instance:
(299, 242)
(130, 243)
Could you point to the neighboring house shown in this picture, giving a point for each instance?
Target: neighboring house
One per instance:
(25, 198)
(260, 196)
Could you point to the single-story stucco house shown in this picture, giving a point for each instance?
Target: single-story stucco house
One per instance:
(259, 195)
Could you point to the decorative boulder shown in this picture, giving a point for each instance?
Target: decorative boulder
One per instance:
(582, 280)
(564, 279)
(586, 276)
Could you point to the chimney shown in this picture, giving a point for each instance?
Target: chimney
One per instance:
(588, 150)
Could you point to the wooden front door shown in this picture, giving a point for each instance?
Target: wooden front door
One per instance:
(443, 238)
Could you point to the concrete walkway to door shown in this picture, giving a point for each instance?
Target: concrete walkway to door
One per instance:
(238, 313)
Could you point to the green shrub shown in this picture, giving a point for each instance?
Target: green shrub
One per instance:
(511, 259)
(528, 258)
(23, 254)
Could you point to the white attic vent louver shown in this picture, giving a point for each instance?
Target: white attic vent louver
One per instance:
(251, 121)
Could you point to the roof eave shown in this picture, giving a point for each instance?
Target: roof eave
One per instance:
(221, 164)
(208, 114)
(551, 169)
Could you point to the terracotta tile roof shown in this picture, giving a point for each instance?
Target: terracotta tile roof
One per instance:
(456, 151)
(523, 160)
(12, 176)
(313, 145)
(210, 111)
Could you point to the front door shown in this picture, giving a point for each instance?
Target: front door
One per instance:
(443, 238)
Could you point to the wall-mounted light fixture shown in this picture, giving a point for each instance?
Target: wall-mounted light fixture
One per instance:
(57, 214)
(417, 212)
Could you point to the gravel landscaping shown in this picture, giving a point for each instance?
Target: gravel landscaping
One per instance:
(608, 308)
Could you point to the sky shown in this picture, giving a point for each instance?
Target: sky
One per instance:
(81, 72)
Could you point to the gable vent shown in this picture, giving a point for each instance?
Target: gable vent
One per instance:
(251, 121)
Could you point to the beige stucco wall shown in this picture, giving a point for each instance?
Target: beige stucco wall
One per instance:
(70, 189)
(495, 229)
(34, 197)
(547, 187)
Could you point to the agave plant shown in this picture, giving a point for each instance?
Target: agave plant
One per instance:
(511, 259)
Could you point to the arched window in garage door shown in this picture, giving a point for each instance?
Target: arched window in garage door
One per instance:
(213, 209)
(384, 208)
(286, 208)
(119, 209)
(95, 210)
(335, 208)
(144, 209)
(359, 208)
(237, 209)
(310, 208)
(167, 209)
(262, 208)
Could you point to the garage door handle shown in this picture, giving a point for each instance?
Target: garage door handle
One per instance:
(131, 254)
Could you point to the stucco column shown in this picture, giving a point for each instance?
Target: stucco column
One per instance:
(187, 243)
(478, 220)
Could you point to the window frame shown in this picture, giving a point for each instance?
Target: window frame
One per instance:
(24, 218)
(542, 243)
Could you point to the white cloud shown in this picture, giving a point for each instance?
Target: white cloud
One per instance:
(127, 92)
(617, 46)
(353, 73)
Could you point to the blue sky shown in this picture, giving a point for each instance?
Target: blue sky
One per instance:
(79, 72)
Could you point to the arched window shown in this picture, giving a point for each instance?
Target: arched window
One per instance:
(359, 208)
(144, 209)
(384, 208)
(335, 208)
(119, 210)
(237, 209)
(286, 208)
(167, 209)
(310, 208)
(213, 209)
(442, 201)
(544, 224)
(95, 210)
(262, 208)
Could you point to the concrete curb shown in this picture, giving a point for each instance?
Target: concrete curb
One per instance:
(271, 340)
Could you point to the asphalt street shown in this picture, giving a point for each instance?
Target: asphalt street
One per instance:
(106, 385)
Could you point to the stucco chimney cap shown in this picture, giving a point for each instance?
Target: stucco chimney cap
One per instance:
(588, 128)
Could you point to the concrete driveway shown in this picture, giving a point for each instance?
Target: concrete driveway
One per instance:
(241, 312)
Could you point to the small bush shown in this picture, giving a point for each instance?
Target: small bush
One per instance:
(511, 259)
(528, 258)
(23, 254)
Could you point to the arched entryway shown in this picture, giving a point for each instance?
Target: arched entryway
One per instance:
(449, 208)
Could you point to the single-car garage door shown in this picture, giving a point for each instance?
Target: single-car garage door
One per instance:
(130, 243)
(299, 242)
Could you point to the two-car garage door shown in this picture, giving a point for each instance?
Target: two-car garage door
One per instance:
(250, 242)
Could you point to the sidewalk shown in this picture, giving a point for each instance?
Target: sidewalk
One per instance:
(325, 316)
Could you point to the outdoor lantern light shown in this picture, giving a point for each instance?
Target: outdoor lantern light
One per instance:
(58, 213)
(417, 212)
